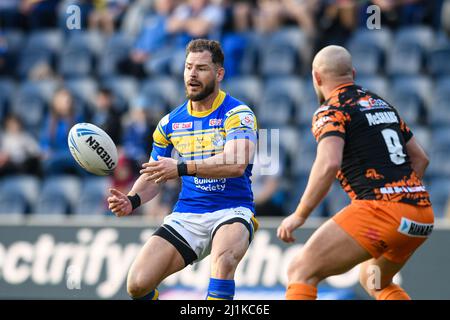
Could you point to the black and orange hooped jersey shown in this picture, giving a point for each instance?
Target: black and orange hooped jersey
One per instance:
(375, 163)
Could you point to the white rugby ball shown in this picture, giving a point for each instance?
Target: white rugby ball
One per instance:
(92, 148)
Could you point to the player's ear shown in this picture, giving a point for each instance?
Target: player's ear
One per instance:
(220, 73)
(317, 77)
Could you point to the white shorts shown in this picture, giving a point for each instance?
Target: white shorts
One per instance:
(192, 233)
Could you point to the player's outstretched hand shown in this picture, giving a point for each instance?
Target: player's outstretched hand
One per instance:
(288, 226)
(119, 203)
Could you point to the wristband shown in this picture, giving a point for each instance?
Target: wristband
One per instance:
(183, 169)
(135, 201)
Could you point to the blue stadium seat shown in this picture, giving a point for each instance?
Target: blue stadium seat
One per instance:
(381, 38)
(246, 88)
(422, 135)
(306, 152)
(249, 61)
(295, 192)
(439, 61)
(116, 49)
(59, 195)
(75, 62)
(420, 35)
(375, 84)
(30, 104)
(410, 107)
(439, 110)
(92, 199)
(336, 199)
(124, 88)
(280, 54)
(7, 89)
(419, 85)
(83, 89)
(290, 140)
(162, 92)
(439, 164)
(41, 47)
(282, 96)
(405, 59)
(366, 58)
(439, 189)
(309, 104)
(93, 41)
(18, 194)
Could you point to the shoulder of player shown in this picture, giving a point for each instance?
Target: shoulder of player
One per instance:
(234, 106)
(174, 115)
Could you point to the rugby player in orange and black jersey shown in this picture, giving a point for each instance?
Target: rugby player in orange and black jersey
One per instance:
(370, 126)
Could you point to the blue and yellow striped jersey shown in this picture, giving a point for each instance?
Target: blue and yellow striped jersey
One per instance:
(200, 135)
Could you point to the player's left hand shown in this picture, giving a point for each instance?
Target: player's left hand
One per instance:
(288, 226)
(160, 171)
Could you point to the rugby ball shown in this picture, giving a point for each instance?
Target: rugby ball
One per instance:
(92, 148)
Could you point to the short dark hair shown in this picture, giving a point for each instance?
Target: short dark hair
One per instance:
(199, 45)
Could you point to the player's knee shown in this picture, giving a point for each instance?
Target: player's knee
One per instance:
(225, 263)
(300, 270)
(137, 286)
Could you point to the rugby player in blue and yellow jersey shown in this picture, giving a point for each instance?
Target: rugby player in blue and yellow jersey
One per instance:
(215, 138)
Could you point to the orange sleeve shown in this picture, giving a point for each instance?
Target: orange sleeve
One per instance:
(329, 122)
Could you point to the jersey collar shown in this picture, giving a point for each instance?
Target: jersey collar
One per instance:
(217, 102)
(335, 90)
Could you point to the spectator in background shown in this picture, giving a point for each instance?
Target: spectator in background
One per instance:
(153, 44)
(138, 134)
(106, 115)
(237, 26)
(19, 151)
(107, 14)
(39, 14)
(56, 155)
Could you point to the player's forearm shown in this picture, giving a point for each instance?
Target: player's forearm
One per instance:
(146, 190)
(320, 181)
(218, 166)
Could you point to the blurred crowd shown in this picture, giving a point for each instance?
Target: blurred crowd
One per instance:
(159, 31)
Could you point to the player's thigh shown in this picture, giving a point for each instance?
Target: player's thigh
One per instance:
(157, 260)
(329, 251)
(229, 244)
(377, 273)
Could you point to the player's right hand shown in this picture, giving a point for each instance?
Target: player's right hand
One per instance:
(288, 226)
(119, 203)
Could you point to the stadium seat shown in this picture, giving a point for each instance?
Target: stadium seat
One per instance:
(439, 110)
(75, 62)
(420, 35)
(420, 85)
(92, 199)
(336, 199)
(249, 60)
(59, 195)
(422, 135)
(93, 41)
(124, 89)
(439, 164)
(83, 89)
(381, 38)
(410, 107)
(7, 89)
(366, 58)
(280, 99)
(309, 105)
(30, 104)
(405, 59)
(41, 47)
(117, 48)
(15, 41)
(246, 88)
(18, 194)
(280, 54)
(296, 190)
(376, 84)
(439, 189)
(439, 61)
(162, 92)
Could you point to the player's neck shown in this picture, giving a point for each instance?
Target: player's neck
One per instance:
(205, 104)
(330, 89)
